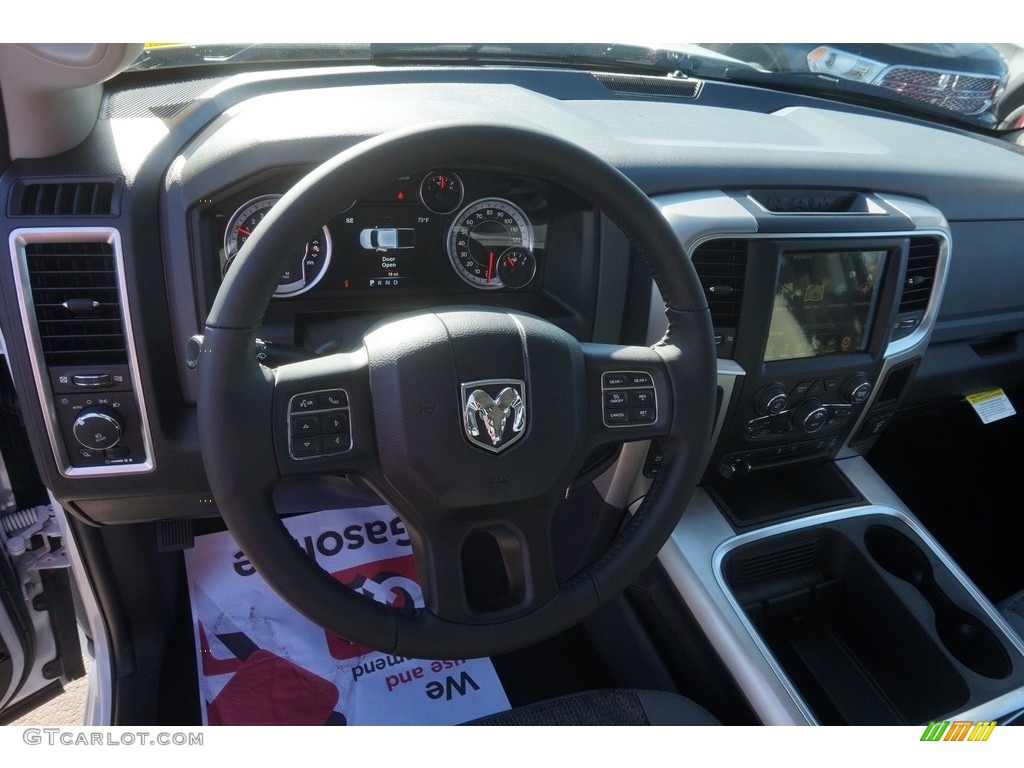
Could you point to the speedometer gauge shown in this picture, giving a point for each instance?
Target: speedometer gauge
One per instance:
(306, 266)
(480, 234)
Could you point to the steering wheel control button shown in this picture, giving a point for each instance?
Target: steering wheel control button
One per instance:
(305, 425)
(303, 403)
(306, 447)
(616, 399)
(628, 397)
(644, 416)
(640, 398)
(318, 424)
(332, 423)
(616, 417)
(334, 399)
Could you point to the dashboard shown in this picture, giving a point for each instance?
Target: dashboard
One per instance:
(858, 266)
(824, 237)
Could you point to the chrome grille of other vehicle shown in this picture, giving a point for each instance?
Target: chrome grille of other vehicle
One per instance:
(957, 92)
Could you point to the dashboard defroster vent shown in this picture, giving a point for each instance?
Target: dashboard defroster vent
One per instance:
(646, 85)
(721, 266)
(75, 294)
(65, 198)
(921, 265)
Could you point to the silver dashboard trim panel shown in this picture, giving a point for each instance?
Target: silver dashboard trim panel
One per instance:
(19, 238)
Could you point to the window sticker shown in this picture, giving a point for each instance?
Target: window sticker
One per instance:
(991, 405)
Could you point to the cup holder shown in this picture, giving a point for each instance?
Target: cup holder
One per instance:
(968, 640)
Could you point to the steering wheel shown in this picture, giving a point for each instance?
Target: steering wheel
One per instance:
(478, 507)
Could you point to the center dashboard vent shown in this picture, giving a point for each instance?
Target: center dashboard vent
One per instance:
(94, 197)
(721, 266)
(77, 303)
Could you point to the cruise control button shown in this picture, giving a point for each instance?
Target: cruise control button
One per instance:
(306, 446)
(615, 379)
(616, 416)
(644, 415)
(616, 399)
(641, 397)
(305, 425)
(640, 380)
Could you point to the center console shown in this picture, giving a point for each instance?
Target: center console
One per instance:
(825, 597)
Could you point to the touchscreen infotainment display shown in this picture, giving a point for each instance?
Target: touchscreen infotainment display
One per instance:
(824, 303)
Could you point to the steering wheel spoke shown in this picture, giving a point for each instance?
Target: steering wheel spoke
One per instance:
(486, 565)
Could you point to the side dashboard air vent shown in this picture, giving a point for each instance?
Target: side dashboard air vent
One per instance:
(65, 198)
(77, 307)
(721, 266)
(646, 85)
(922, 262)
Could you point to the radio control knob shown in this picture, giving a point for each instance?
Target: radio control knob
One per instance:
(809, 416)
(856, 389)
(771, 400)
(98, 428)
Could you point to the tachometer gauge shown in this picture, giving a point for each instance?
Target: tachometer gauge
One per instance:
(306, 266)
(480, 234)
(441, 192)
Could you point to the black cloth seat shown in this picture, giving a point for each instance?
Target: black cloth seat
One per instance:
(611, 707)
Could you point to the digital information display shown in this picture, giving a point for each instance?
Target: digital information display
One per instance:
(824, 303)
(387, 248)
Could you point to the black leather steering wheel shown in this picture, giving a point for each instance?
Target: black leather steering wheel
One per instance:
(469, 507)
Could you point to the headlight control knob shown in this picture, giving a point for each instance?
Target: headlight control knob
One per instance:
(98, 428)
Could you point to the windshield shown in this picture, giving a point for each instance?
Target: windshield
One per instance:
(977, 84)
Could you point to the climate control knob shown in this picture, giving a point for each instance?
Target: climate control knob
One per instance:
(856, 389)
(809, 416)
(98, 428)
(770, 400)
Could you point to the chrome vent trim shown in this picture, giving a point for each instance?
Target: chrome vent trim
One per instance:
(73, 197)
(34, 240)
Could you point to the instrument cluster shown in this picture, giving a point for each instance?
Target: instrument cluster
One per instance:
(439, 230)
